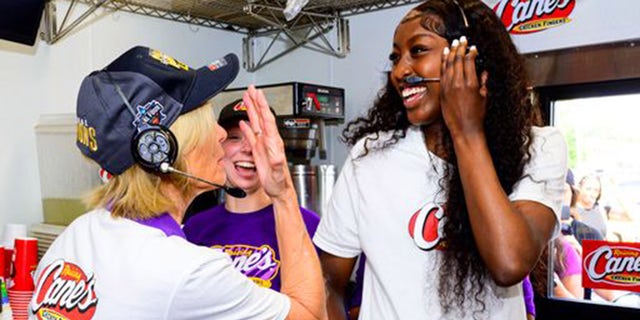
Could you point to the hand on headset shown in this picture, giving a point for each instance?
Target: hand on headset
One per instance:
(463, 95)
(266, 145)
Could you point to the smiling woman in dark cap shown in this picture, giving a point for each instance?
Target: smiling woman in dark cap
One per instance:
(245, 227)
(144, 118)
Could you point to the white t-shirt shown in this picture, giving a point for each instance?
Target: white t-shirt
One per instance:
(116, 268)
(378, 201)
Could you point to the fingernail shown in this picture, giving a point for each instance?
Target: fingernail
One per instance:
(455, 43)
(473, 48)
(446, 51)
(463, 39)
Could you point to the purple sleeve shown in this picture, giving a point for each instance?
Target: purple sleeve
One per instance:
(311, 220)
(527, 290)
(571, 260)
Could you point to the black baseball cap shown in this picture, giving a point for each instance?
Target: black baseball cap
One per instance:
(233, 112)
(158, 88)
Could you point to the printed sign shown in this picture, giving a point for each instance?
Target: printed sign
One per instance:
(528, 16)
(64, 291)
(611, 265)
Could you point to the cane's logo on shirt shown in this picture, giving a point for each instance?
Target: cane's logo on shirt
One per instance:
(64, 291)
(257, 263)
(426, 227)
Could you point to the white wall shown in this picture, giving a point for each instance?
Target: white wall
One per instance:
(45, 79)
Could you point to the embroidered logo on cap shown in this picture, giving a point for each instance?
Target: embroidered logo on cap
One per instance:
(86, 135)
(149, 114)
(217, 64)
(167, 60)
(64, 291)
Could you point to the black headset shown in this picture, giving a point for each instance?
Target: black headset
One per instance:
(152, 145)
(479, 59)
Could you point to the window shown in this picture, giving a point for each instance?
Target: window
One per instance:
(601, 124)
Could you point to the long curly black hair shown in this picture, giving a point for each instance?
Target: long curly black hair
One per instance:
(509, 118)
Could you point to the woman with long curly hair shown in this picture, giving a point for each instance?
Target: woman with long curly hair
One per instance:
(451, 189)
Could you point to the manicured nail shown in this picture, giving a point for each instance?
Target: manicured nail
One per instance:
(446, 51)
(473, 48)
(455, 43)
(463, 39)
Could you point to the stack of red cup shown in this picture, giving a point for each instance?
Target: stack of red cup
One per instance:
(25, 261)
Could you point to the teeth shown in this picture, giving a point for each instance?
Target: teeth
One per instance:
(246, 165)
(412, 91)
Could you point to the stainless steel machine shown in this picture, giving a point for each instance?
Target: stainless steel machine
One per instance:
(303, 111)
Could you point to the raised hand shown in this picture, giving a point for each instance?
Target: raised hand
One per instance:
(463, 96)
(266, 144)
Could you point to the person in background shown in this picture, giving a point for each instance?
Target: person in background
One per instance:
(244, 228)
(575, 231)
(451, 189)
(589, 210)
(567, 270)
(145, 119)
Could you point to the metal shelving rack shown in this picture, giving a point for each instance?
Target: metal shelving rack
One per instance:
(261, 21)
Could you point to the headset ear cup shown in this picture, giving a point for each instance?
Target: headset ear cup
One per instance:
(154, 146)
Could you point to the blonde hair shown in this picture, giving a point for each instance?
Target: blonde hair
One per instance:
(136, 193)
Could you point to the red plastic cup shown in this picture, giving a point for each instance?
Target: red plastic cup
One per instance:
(3, 273)
(25, 263)
(8, 261)
(19, 302)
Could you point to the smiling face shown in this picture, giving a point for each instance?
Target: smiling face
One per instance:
(238, 161)
(417, 52)
(589, 191)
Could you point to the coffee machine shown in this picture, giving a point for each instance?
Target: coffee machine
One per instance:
(302, 113)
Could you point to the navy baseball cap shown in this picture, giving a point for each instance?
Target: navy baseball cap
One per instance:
(233, 112)
(158, 88)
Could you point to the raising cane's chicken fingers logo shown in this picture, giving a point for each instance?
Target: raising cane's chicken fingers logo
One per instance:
(611, 265)
(527, 16)
(64, 291)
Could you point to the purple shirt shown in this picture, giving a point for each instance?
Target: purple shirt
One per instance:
(248, 238)
(527, 290)
(166, 223)
(571, 260)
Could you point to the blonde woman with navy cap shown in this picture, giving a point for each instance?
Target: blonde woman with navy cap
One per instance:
(145, 119)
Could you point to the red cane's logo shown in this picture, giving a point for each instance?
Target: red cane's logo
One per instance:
(240, 107)
(426, 227)
(611, 265)
(527, 16)
(64, 291)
